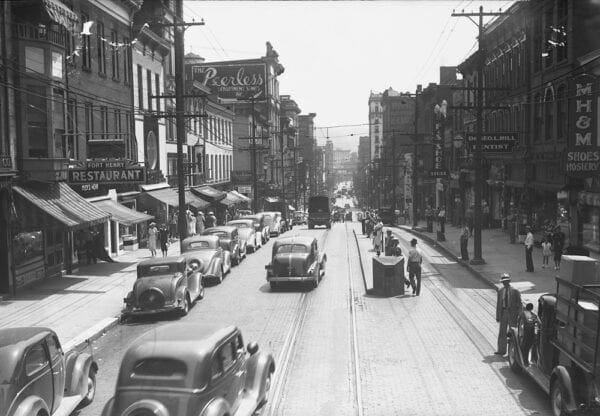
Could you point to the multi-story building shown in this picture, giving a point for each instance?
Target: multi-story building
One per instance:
(330, 179)
(307, 143)
(289, 155)
(362, 170)
(375, 124)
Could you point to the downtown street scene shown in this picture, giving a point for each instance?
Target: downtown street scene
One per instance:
(243, 208)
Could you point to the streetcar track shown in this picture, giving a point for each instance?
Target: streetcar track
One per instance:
(282, 363)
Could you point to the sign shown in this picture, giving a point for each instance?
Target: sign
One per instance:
(493, 143)
(232, 81)
(439, 170)
(244, 189)
(113, 171)
(583, 147)
(151, 142)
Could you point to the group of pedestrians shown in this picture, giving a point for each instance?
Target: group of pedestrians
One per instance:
(158, 236)
(553, 244)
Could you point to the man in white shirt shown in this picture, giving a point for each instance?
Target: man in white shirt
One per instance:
(508, 307)
(414, 267)
(529, 250)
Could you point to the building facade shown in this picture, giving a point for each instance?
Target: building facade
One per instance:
(375, 124)
(307, 143)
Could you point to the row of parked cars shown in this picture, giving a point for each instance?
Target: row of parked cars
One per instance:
(207, 367)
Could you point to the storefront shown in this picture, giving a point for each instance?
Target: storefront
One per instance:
(213, 196)
(43, 233)
(589, 220)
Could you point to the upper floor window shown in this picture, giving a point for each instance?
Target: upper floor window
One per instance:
(86, 46)
(126, 61)
(157, 90)
(100, 43)
(114, 55)
(561, 113)
(549, 115)
(562, 24)
(140, 87)
(537, 118)
(149, 88)
(34, 60)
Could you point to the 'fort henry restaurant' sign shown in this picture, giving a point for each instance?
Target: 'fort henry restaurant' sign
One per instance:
(108, 171)
(583, 143)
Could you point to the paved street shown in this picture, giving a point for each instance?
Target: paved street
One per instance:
(416, 355)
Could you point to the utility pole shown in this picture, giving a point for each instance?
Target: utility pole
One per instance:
(415, 160)
(477, 255)
(254, 174)
(282, 167)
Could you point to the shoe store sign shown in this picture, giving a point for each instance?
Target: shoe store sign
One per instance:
(105, 171)
(583, 146)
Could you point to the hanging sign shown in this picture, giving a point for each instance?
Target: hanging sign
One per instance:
(493, 143)
(111, 171)
(583, 146)
(439, 170)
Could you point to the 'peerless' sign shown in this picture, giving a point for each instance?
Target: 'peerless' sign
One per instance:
(233, 81)
(107, 171)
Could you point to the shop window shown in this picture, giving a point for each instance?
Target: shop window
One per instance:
(28, 247)
(34, 60)
(590, 230)
(149, 88)
(89, 121)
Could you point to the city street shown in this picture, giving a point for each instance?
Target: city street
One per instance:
(341, 352)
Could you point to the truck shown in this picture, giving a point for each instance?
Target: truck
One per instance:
(319, 212)
(279, 205)
(558, 348)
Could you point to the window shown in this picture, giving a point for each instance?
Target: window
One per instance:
(561, 113)
(89, 121)
(70, 139)
(537, 43)
(101, 48)
(57, 65)
(216, 368)
(126, 61)
(118, 133)
(171, 164)
(86, 46)
(149, 88)
(228, 354)
(170, 126)
(37, 122)
(157, 90)
(36, 360)
(140, 87)
(103, 122)
(114, 39)
(34, 60)
(549, 38)
(549, 114)
(53, 347)
(160, 367)
(562, 23)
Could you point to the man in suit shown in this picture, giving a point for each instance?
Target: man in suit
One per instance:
(508, 307)
(529, 250)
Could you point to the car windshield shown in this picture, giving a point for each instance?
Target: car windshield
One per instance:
(158, 270)
(199, 244)
(292, 248)
(241, 225)
(219, 233)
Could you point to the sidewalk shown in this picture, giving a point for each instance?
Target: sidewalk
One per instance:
(78, 306)
(499, 256)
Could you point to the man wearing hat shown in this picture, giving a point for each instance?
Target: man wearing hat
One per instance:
(508, 307)
(414, 267)
(529, 250)
(211, 220)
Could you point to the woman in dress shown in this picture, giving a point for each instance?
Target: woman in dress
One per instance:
(378, 235)
(152, 237)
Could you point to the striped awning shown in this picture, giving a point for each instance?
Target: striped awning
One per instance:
(62, 203)
(209, 193)
(120, 213)
(170, 197)
(242, 197)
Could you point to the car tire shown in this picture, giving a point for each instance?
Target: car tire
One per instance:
(201, 295)
(186, 305)
(235, 260)
(512, 357)
(220, 276)
(557, 394)
(273, 285)
(91, 392)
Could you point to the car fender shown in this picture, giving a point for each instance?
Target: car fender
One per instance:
(30, 406)
(108, 407)
(258, 367)
(227, 261)
(560, 374)
(77, 378)
(216, 407)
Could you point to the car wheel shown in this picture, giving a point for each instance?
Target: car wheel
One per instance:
(91, 389)
(201, 295)
(315, 283)
(186, 305)
(557, 402)
(512, 356)
(273, 285)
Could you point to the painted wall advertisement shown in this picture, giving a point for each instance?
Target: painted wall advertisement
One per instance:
(232, 81)
(583, 143)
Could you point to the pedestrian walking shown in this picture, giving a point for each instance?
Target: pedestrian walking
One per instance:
(546, 251)
(429, 218)
(529, 250)
(210, 220)
(470, 220)
(163, 235)
(173, 226)
(558, 244)
(200, 223)
(361, 218)
(464, 244)
(378, 236)
(508, 307)
(442, 219)
(414, 267)
(152, 237)
(388, 243)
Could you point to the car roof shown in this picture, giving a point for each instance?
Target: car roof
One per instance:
(272, 212)
(257, 215)
(213, 238)
(191, 343)
(14, 342)
(294, 240)
(228, 228)
(162, 260)
(241, 220)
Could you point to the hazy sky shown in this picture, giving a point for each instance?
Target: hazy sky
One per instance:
(336, 52)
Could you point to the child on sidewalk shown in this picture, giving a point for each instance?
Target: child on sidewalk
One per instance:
(546, 252)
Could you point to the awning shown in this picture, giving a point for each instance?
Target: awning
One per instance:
(271, 199)
(589, 198)
(170, 197)
(195, 201)
(242, 197)
(63, 204)
(209, 193)
(61, 14)
(230, 200)
(291, 208)
(121, 213)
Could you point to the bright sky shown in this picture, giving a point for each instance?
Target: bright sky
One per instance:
(336, 52)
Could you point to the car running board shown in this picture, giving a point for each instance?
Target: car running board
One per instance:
(67, 405)
(539, 377)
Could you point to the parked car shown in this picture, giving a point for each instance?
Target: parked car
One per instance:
(185, 369)
(38, 378)
(275, 222)
(299, 218)
(205, 251)
(163, 285)
(243, 212)
(260, 225)
(285, 210)
(229, 240)
(296, 259)
(248, 234)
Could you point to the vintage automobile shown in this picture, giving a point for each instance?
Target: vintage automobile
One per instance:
(164, 284)
(299, 218)
(38, 378)
(260, 225)
(275, 222)
(229, 240)
(186, 369)
(296, 259)
(215, 262)
(247, 233)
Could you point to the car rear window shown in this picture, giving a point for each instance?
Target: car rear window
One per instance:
(199, 244)
(157, 270)
(292, 248)
(159, 367)
(219, 233)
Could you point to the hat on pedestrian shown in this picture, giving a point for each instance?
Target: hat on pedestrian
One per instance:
(389, 231)
(152, 224)
(413, 242)
(505, 277)
(210, 213)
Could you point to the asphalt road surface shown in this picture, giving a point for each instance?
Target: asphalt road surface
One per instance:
(339, 351)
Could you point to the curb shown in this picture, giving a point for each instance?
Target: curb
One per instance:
(91, 334)
(450, 254)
